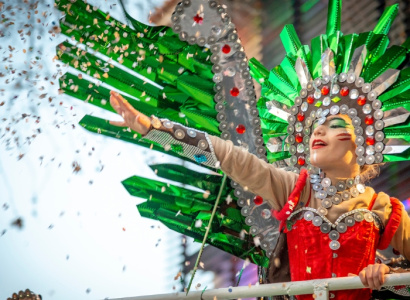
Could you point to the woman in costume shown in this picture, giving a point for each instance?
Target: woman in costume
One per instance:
(351, 116)
(365, 222)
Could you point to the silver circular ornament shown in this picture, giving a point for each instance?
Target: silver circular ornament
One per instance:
(358, 217)
(334, 235)
(351, 77)
(367, 87)
(334, 110)
(325, 228)
(349, 221)
(342, 77)
(336, 199)
(359, 140)
(341, 227)
(367, 109)
(308, 216)
(354, 94)
(334, 245)
(344, 109)
(335, 89)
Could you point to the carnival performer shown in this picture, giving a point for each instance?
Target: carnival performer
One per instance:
(328, 116)
(332, 146)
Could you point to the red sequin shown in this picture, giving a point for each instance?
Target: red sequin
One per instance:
(299, 138)
(310, 99)
(369, 120)
(361, 100)
(301, 160)
(301, 116)
(344, 91)
(325, 90)
(235, 92)
(226, 49)
(370, 140)
(198, 19)
(240, 129)
(258, 200)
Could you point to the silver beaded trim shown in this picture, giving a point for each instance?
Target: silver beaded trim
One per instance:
(339, 227)
(166, 140)
(234, 93)
(335, 194)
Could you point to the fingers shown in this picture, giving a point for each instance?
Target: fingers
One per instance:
(373, 276)
(118, 123)
(363, 279)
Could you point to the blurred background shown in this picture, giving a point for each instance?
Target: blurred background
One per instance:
(68, 228)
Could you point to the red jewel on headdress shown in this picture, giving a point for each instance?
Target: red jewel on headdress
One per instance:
(258, 200)
(325, 90)
(226, 49)
(301, 160)
(299, 138)
(310, 99)
(370, 140)
(361, 100)
(235, 92)
(344, 91)
(369, 120)
(198, 19)
(301, 116)
(240, 129)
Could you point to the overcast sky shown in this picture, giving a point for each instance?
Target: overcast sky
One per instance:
(81, 235)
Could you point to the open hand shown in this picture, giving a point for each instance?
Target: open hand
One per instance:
(373, 276)
(134, 119)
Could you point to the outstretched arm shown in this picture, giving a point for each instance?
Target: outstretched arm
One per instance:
(252, 173)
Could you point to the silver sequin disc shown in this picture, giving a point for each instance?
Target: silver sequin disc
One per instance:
(361, 188)
(346, 196)
(168, 124)
(370, 150)
(354, 192)
(325, 228)
(337, 199)
(350, 221)
(191, 133)
(368, 217)
(367, 109)
(334, 110)
(326, 203)
(308, 216)
(331, 190)
(341, 227)
(334, 245)
(335, 89)
(334, 235)
(202, 144)
(358, 216)
(317, 221)
(322, 211)
(179, 134)
(326, 182)
(354, 94)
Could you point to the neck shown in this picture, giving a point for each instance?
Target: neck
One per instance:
(336, 175)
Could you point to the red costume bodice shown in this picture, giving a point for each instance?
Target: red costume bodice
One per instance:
(320, 249)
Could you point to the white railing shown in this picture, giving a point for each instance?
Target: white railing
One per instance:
(319, 287)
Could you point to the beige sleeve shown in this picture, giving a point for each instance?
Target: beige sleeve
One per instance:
(261, 178)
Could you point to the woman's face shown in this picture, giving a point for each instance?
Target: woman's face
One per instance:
(332, 143)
